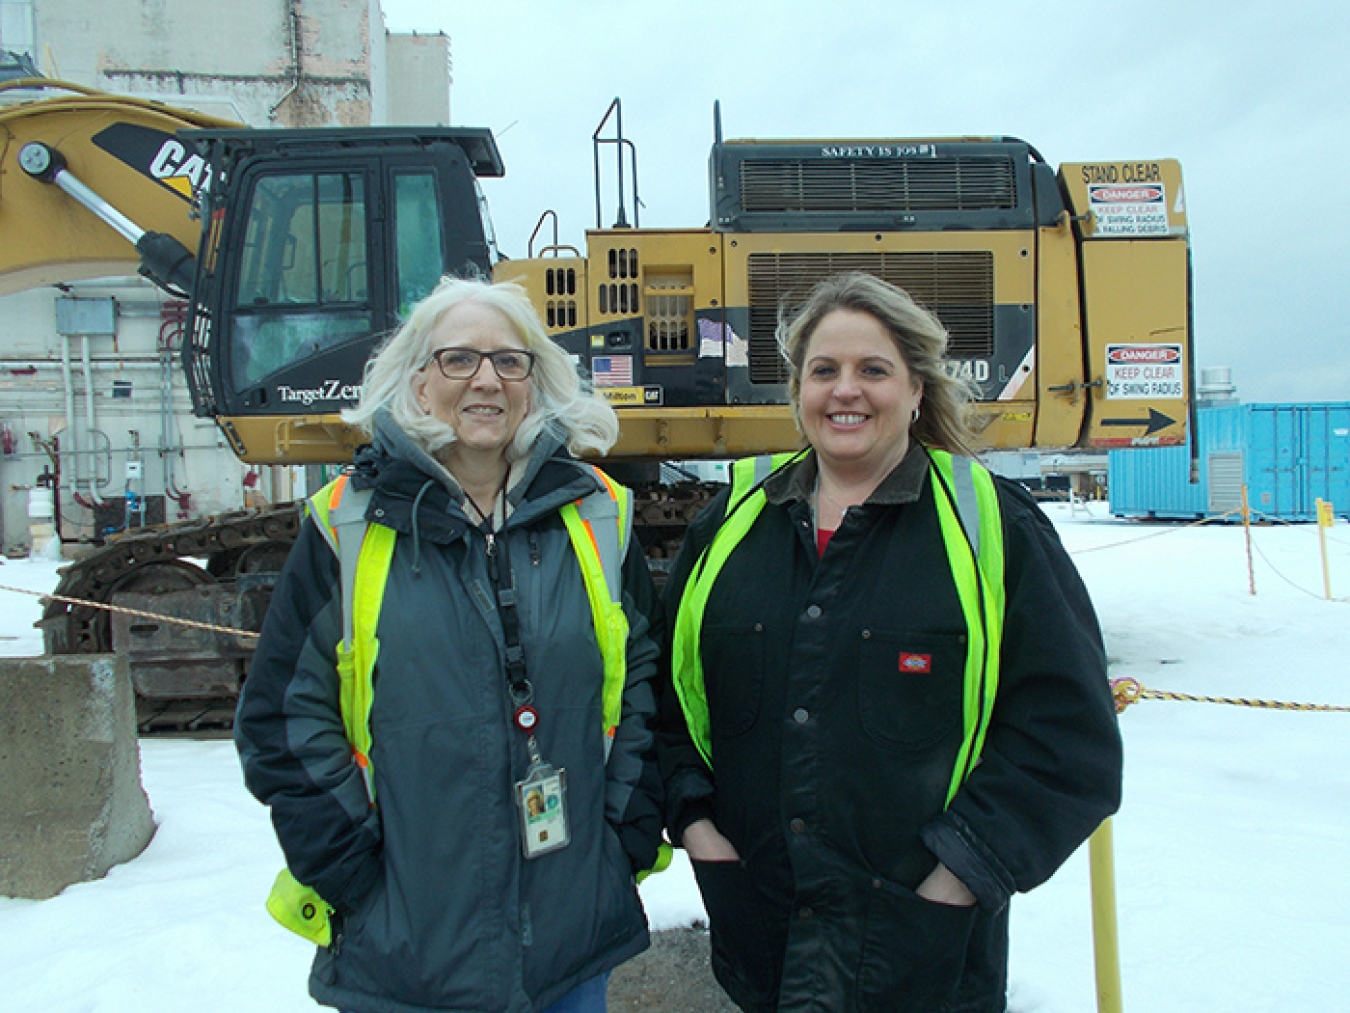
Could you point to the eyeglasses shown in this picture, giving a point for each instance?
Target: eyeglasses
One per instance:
(464, 363)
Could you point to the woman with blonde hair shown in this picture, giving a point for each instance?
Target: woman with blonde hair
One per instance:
(481, 854)
(889, 708)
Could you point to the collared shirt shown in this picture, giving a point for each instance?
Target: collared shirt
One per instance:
(904, 484)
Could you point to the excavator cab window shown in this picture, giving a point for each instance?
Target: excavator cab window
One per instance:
(303, 274)
(419, 248)
(319, 242)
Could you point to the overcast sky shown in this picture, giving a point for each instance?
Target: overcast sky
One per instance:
(1251, 98)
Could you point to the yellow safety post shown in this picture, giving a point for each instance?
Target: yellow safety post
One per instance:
(1247, 529)
(1105, 937)
(1325, 519)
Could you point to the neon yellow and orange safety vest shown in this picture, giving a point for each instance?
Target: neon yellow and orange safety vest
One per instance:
(599, 526)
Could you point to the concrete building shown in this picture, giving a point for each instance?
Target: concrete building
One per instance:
(282, 63)
(90, 383)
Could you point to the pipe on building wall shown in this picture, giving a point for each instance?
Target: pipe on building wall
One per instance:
(173, 321)
(293, 19)
(130, 360)
(90, 428)
(167, 448)
(75, 453)
(73, 439)
(44, 387)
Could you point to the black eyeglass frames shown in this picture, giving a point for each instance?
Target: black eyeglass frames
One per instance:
(464, 363)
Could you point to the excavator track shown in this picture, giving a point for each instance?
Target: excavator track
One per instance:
(185, 598)
(217, 573)
(660, 516)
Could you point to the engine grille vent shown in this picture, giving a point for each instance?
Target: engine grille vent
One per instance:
(899, 185)
(958, 287)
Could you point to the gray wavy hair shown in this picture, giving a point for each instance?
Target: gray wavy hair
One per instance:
(944, 417)
(559, 399)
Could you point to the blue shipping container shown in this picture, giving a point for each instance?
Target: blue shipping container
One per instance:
(1288, 455)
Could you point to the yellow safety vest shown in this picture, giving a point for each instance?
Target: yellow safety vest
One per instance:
(600, 549)
(972, 532)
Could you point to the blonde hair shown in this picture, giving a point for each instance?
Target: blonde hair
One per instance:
(944, 414)
(559, 400)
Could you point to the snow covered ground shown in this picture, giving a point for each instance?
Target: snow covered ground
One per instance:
(1231, 848)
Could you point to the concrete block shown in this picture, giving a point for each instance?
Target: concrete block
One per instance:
(71, 801)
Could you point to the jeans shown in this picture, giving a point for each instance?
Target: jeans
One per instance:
(588, 997)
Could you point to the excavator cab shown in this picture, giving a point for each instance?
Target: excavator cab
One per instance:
(316, 243)
(309, 246)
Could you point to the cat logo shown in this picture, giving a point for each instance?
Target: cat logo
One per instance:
(180, 171)
(158, 155)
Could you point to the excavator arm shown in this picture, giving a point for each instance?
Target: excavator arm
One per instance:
(130, 178)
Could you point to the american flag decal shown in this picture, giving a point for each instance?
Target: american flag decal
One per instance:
(612, 370)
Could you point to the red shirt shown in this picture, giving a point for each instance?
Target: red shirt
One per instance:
(822, 540)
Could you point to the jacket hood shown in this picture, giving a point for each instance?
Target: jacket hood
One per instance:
(416, 494)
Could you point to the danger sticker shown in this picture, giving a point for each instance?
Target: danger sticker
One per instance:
(1126, 210)
(1138, 372)
(1128, 354)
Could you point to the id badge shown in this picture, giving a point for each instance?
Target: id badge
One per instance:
(542, 801)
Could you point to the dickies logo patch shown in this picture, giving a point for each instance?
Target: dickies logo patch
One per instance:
(916, 664)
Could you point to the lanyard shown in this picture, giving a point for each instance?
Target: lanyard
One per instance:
(525, 716)
(541, 796)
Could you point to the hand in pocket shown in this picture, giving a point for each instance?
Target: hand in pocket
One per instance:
(914, 950)
(705, 843)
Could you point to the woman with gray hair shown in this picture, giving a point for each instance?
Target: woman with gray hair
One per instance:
(397, 376)
(890, 708)
(474, 834)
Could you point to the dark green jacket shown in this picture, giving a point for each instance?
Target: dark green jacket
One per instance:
(436, 906)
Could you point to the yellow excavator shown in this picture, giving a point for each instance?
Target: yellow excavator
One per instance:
(1066, 293)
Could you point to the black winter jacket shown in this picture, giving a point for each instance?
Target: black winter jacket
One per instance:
(831, 767)
(437, 908)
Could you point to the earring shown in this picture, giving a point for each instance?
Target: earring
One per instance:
(915, 416)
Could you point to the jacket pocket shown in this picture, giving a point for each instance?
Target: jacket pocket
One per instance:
(734, 686)
(910, 687)
(913, 951)
(746, 959)
(615, 892)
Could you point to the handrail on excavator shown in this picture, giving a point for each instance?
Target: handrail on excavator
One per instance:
(554, 249)
(621, 222)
